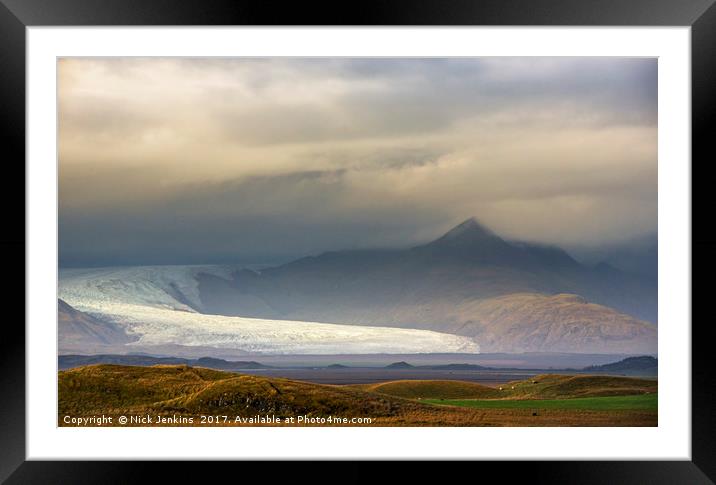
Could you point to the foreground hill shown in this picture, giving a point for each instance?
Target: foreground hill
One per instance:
(545, 386)
(181, 391)
(168, 390)
(555, 386)
(434, 389)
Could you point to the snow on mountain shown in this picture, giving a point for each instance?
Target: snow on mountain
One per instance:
(158, 304)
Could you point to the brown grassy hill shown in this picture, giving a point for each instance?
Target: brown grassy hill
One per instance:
(434, 389)
(545, 386)
(166, 391)
(117, 390)
(557, 323)
(554, 386)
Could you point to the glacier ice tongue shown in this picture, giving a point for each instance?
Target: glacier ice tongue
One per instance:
(144, 300)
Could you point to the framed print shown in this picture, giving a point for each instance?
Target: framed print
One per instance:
(432, 233)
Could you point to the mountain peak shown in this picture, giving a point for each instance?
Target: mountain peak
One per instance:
(469, 236)
(469, 226)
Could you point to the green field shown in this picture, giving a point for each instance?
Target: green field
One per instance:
(647, 402)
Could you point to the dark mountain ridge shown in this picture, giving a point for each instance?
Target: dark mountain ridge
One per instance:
(471, 242)
(448, 285)
(644, 364)
(467, 262)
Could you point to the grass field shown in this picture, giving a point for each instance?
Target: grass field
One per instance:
(643, 402)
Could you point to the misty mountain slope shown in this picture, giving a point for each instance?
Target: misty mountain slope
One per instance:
(468, 263)
(77, 330)
(452, 285)
(148, 304)
(638, 256)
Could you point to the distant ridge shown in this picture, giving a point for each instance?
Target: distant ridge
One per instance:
(71, 361)
(644, 364)
(455, 367)
(405, 365)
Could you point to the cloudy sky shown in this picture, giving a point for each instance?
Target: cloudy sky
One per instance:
(262, 160)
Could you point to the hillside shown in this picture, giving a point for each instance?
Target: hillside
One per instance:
(546, 386)
(166, 392)
(125, 389)
(555, 386)
(528, 322)
(433, 389)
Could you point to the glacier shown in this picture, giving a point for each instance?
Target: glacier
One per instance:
(157, 304)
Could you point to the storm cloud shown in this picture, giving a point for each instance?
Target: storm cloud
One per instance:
(263, 160)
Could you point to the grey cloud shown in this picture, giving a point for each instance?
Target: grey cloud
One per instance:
(202, 160)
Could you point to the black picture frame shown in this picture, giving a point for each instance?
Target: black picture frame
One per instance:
(16, 15)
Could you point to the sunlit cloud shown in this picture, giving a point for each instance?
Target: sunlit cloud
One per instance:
(194, 160)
